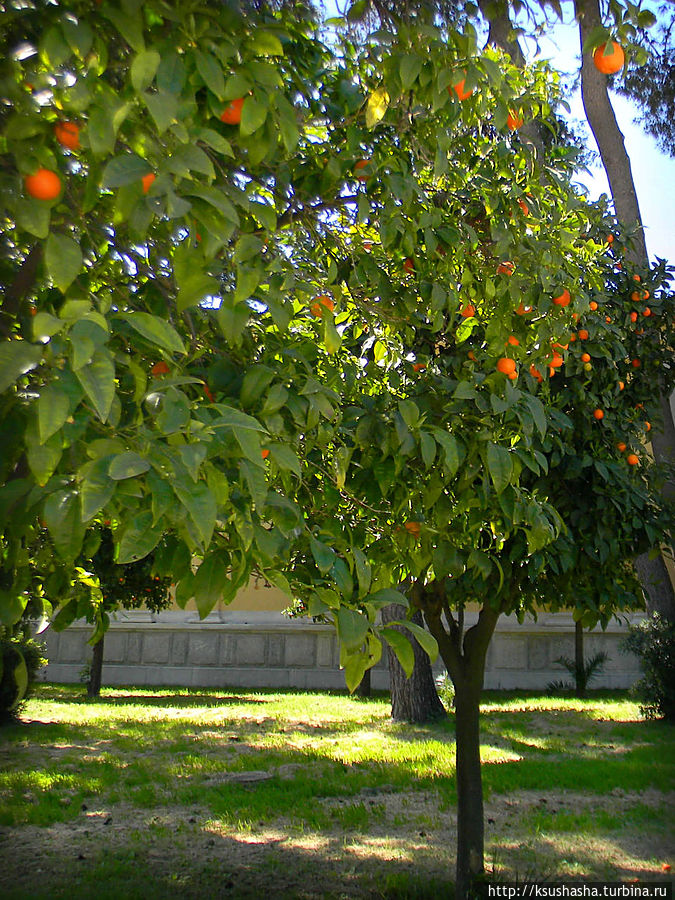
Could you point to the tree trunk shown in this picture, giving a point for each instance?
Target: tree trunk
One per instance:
(464, 656)
(96, 670)
(413, 699)
(364, 688)
(470, 827)
(579, 686)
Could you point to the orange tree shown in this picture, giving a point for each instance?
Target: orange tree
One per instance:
(289, 306)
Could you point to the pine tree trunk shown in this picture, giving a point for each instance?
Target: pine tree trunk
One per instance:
(96, 670)
(579, 687)
(413, 699)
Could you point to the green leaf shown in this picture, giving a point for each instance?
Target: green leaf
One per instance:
(34, 217)
(324, 556)
(211, 582)
(171, 73)
(402, 647)
(194, 289)
(377, 106)
(43, 458)
(352, 628)
(234, 418)
(385, 597)
(129, 23)
(253, 115)
(163, 108)
(216, 141)
(538, 413)
(96, 487)
(17, 358)
(500, 466)
(62, 516)
(127, 465)
(211, 72)
(138, 539)
(363, 572)
(410, 67)
(64, 260)
(156, 330)
(201, 506)
(451, 448)
(101, 131)
(53, 410)
(331, 336)
(426, 641)
(285, 458)
(122, 170)
(355, 668)
(54, 50)
(265, 44)
(428, 446)
(98, 381)
(143, 69)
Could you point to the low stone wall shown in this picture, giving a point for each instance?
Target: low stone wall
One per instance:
(265, 649)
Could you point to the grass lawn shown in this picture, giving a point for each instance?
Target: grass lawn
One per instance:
(160, 792)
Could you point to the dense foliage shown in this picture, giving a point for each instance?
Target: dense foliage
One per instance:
(653, 642)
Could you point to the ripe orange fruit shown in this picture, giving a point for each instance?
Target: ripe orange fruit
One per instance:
(67, 134)
(231, 115)
(467, 311)
(646, 311)
(207, 393)
(648, 426)
(636, 278)
(43, 185)
(556, 345)
(635, 363)
(419, 367)
(583, 334)
(535, 373)
(512, 376)
(514, 120)
(646, 295)
(563, 299)
(573, 338)
(632, 459)
(471, 355)
(598, 414)
(513, 340)
(525, 208)
(147, 181)
(367, 246)
(551, 372)
(621, 385)
(413, 528)
(633, 317)
(264, 453)
(611, 62)
(506, 365)
(361, 164)
(160, 368)
(585, 357)
(556, 361)
(610, 238)
(621, 446)
(322, 300)
(636, 297)
(522, 310)
(459, 90)
(607, 319)
(593, 305)
(409, 265)
(506, 268)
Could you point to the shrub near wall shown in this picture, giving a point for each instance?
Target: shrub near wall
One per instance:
(21, 657)
(653, 642)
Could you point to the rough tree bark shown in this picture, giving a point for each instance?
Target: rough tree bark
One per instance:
(609, 138)
(413, 699)
(96, 670)
(464, 653)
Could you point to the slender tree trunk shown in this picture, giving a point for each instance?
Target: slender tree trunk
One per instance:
(413, 699)
(579, 686)
(364, 688)
(96, 670)
(470, 820)
(464, 654)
